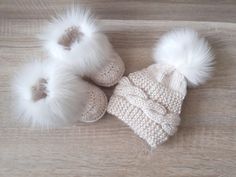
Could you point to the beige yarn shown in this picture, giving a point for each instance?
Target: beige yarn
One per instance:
(96, 105)
(72, 34)
(111, 72)
(39, 90)
(149, 102)
(113, 69)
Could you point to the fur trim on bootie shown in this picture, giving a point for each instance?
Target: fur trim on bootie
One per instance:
(48, 95)
(75, 38)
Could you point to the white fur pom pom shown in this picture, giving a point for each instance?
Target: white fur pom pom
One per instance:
(188, 53)
(74, 38)
(46, 95)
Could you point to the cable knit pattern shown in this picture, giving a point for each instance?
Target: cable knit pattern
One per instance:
(172, 100)
(149, 108)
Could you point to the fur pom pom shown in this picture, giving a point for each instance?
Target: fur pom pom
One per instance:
(46, 95)
(188, 53)
(74, 38)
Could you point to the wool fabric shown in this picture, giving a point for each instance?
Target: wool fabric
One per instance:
(149, 102)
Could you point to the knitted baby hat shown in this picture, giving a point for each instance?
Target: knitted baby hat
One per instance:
(149, 101)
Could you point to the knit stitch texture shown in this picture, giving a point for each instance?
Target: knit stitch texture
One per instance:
(111, 72)
(95, 106)
(149, 102)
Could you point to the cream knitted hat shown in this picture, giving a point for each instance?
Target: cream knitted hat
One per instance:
(149, 101)
(75, 39)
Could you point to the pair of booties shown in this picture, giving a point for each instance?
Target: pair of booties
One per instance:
(62, 89)
(54, 93)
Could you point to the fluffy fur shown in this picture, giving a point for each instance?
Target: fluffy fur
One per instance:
(190, 54)
(87, 55)
(65, 99)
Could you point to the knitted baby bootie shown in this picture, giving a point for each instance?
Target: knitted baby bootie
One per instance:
(111, 73)
(96, 105)
(149, 101)
(75, 39)
(49, 95)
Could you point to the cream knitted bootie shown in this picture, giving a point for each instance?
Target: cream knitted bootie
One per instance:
(49, 95)
(75, 39)
(149, 101)
(96, 105)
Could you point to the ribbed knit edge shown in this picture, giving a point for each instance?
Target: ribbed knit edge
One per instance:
(134, 117)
